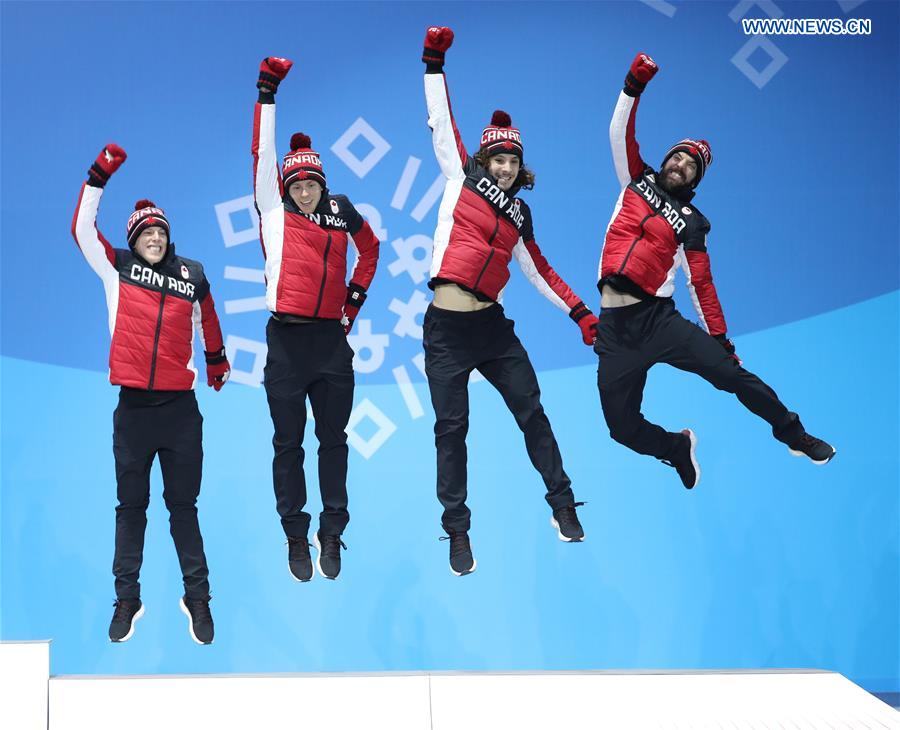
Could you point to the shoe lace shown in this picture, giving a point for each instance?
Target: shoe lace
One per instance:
(199, 609)
(807, 440)
(298, 547)
(459, 542)
(331, 545)
(124, 608)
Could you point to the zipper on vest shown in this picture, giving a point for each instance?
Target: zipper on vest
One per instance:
(162, 301)
(324, 276)
(490, 255)
(634, 242)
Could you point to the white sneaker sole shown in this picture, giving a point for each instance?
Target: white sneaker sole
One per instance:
(554, 524)
(696, 466)
(817, 463)
(187, 613)
(318, 548)
(134, 619)
(465, 572)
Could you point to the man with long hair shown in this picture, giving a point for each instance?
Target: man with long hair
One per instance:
(481, 226)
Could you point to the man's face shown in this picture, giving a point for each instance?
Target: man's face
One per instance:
(306, 194)
(680, 171)
(151, 244)
(504, 168)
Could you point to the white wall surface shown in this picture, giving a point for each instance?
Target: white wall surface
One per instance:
(24, 671)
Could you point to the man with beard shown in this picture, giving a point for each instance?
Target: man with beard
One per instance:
(654, 229)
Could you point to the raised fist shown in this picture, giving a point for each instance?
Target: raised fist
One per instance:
(437, 41)
(643, 68)
(107, 162)
(438, 38)
(272, 71)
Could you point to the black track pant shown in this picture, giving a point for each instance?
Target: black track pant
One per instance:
(456, 343)
(631, 339)
(147, 424)
(311, 359)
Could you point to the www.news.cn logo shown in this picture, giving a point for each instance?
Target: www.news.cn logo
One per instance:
(806, 26)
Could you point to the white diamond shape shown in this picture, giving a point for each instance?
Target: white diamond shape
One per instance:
(848, 5)
(360, 128)
(767, 6)
(661, 6)
(226, 225)
(386, 428)
(776, 56)
(233, 345)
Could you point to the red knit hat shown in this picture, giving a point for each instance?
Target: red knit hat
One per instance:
(500, 137)
(145, 214)
(698, 149)
(302, 162)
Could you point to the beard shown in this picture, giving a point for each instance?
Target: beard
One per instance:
(673, 183)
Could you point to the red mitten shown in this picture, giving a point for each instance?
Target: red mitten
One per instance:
(356, 296)
(272, 71)
(643, 68)
(587, 322)
(437, 40)
(107, 162)
(588, 325)
(217, 369)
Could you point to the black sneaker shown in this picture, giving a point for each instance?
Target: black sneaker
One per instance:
(816, 449)
(127, 612)
(684, 459)
(566, 523)
(200, 622)
(299, 562)
(329, 560)
(462, 562)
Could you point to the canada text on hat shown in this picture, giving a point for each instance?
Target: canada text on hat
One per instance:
(302, 158)
(493, 134)
(500, 136)
(302, 162)
(145, 214)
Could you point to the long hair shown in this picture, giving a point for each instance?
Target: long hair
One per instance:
(525, 178)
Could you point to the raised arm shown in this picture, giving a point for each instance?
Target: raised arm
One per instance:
(363, 239)
(551, 285)
(625, 149)
(206, 322)
(448, 147)
(96, 249)
(266, 178)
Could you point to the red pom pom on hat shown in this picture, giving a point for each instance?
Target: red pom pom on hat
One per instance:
(501, 119)
(300, 141)
(144, 204)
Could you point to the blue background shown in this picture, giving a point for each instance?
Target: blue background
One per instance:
(769, 563)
